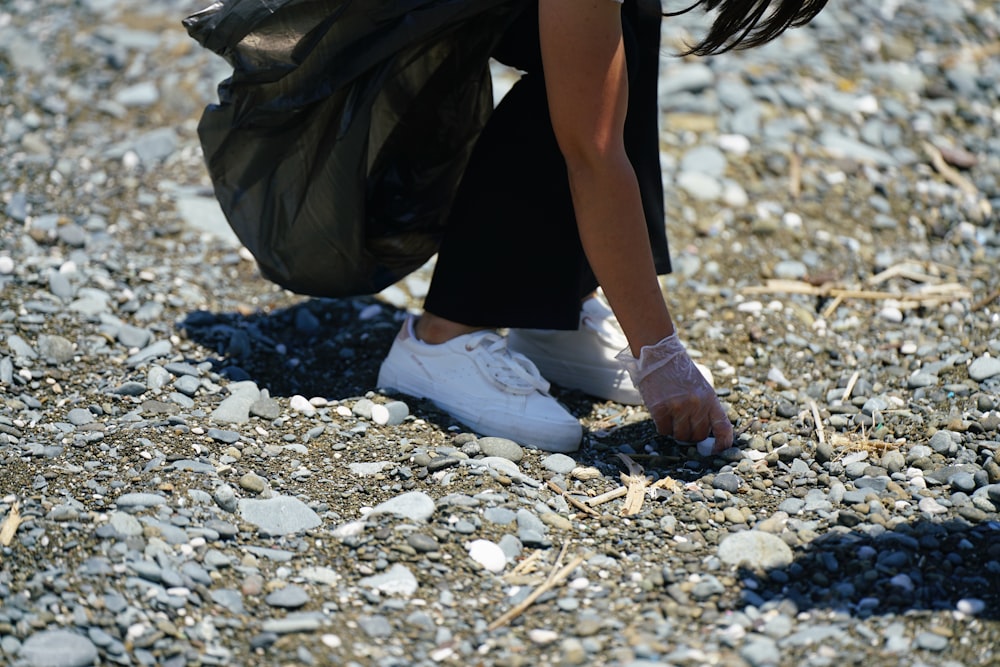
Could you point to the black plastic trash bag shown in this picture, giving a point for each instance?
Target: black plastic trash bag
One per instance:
(340, 139)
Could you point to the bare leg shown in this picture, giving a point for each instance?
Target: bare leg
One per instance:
(434, 330)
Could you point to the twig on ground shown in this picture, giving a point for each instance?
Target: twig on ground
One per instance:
(613, 494)
(850, 385)
(636, 483)
(10, 524)
(986, 300)
(832, 307)
(580, 505)
(924, 295)
(668, 483)
(555, 577)
(527, 566)
(948, 172)
(817, 422)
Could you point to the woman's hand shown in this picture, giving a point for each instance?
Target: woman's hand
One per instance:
(679, 398)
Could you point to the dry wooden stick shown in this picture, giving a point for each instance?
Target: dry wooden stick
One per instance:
(10, 524)
(613, 494)
(986, 300)
(949, 173)
(935, 292)
(556, 577)
(850, 385)
(902, 270)
(667, 483)
(527, 564)
(818, 423)
(636, 484)
(586, 509)
(786, 286)
(832, 307)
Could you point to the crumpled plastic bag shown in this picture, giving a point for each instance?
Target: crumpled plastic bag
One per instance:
(339, 140)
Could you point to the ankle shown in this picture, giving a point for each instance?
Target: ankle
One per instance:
(435, 330)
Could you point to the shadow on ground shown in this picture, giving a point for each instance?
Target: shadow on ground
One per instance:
(333, 348)
(923, 565)
(318, 347)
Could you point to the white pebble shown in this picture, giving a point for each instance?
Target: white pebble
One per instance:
(6, 265)
(380, 415)
(909, 347)
(891, 314)
(792, 220)
(542, 637)
(369, 312)
(488, 554)
(750, 307)
(301, 404)
(734, 143)
(866, 104)
(331, 641)
(318, 401)
(349, 529)
(931, 506)
(970, 606)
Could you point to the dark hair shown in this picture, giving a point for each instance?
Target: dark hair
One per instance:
(742, 24)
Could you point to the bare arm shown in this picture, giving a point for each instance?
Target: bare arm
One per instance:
(583, 57)
(584, 62)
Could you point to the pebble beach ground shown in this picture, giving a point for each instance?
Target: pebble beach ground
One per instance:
(196, 468)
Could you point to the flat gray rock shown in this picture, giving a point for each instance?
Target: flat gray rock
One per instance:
(755, 549)
(289, 597)
(501, 447)
(58, 648)
(984, 368)
(281, 515)
(397, 580)
(139, 500)
(414, 505)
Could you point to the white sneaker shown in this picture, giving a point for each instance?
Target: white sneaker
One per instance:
(477, 380)
(584, 358)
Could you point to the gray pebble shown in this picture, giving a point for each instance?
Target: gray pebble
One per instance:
(559, 464)
(984, 368)
(139, 500)
(281, 515)
(58, 648)
(930, 641)
(414, 505)
(375, 626)
(502, 448)
(288, 597)
(225, 497)
(397, 580)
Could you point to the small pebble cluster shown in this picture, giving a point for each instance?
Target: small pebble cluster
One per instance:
(197, 468)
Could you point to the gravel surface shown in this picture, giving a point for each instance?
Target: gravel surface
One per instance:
(196, 468)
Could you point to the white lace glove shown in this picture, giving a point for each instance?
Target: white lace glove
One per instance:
(679, 398)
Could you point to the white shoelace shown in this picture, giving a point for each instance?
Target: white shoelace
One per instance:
(513, 372)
